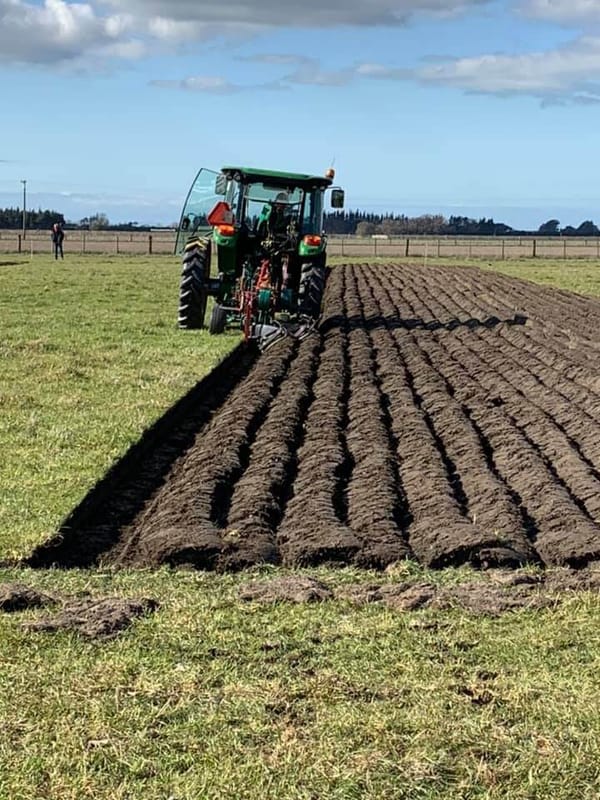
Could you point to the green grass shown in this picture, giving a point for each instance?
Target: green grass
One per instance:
(212, 698)
(90, 354)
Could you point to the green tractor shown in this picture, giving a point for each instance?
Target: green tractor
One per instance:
(266, 230)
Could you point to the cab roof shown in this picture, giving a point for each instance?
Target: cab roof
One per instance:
(278, 179)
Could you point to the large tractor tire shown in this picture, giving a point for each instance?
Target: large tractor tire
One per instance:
(194, 276)
(312, 287)
(218, 319)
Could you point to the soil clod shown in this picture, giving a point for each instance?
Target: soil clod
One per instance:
(95, 618)
(19, 597)
(293, 589)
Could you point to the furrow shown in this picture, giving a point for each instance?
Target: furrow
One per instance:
(376, 506)
(179, 525)
(311, 531)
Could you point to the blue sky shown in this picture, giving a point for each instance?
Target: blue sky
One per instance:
(454, 107)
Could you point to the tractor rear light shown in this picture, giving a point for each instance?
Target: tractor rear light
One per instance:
(226, 230)
(312, 240)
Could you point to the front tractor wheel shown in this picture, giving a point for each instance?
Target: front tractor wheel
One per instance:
(312, 287)
(193, 291)
(218, 319)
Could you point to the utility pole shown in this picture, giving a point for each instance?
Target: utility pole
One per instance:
(24, 208)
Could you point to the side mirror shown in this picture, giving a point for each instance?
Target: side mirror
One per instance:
(221, 184)
(337, 198)
(185, 223)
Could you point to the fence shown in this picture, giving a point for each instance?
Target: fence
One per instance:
(163, 242)
(466, 247)
(105, 242)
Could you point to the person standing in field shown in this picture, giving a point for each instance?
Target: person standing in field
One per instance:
(57, 240)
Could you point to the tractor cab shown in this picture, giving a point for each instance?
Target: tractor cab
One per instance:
(266, 230)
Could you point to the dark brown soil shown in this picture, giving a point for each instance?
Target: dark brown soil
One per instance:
(448, 415)
(94, 618)
(18, 597)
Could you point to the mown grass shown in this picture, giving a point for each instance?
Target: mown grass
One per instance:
(213, 698)
(90, 355)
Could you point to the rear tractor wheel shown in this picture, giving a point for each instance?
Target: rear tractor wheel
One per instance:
(193, 288)
(312, 287)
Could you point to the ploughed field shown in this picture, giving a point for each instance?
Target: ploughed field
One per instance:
(447, 415)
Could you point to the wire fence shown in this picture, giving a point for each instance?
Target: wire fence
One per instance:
(163, 243)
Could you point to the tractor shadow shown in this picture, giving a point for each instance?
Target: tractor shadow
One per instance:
(371, 323)
(95, 524)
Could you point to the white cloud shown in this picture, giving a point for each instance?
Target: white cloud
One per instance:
(57, 31)
(63, 32)
(381, 73)
(307, 70)
(67, 32)
(215, 84)
(278, 13)
(201, 83)
(564, 74)
(564, 11)
(569, 74)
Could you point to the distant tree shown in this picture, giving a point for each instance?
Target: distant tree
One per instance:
(365, 228)
(587, 228)
(98, 221)
(550, 228)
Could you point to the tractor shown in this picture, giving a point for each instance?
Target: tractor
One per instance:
(266, 230)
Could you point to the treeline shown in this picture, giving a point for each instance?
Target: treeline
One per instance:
(360, 223)
(364, 223)
(13, 218)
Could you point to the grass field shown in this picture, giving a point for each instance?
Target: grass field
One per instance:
(214, 698)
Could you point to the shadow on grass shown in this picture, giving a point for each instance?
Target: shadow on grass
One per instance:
(95, 524)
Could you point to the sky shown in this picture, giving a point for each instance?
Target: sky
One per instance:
(468, 107)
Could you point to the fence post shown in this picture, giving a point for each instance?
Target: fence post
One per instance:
(20, 243)
(407, 246)
(342, 240)
(534, 254)
(117, 244)
(150, 244)
(503, 244)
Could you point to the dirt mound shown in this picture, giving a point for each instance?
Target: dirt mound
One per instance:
(447, 415)
(490, 600)
(501, 592)
(19, 597)
(94, 618)
(293, 589)
(481, 597)
(493, 595)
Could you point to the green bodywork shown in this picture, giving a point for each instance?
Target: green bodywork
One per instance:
(251, 175)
